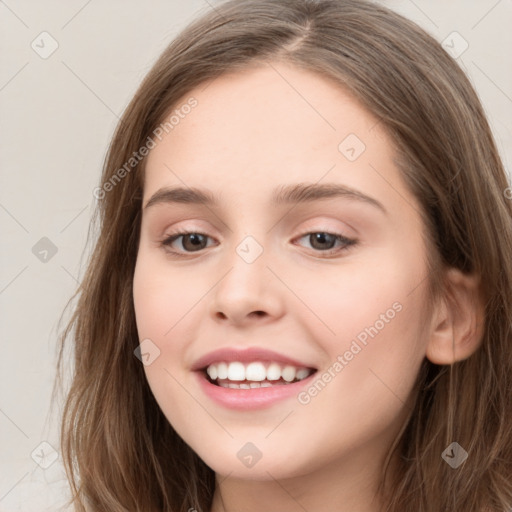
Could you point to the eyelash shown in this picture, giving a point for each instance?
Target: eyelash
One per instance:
(348, 242)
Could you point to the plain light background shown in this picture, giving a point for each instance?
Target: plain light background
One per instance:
(57, 116)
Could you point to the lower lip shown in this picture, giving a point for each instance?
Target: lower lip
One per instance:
(254, 398)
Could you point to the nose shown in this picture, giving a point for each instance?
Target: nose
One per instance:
(247, 293)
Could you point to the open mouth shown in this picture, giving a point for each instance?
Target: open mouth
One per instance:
(256, 374)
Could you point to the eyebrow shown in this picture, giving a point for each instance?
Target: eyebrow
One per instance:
(283, 195)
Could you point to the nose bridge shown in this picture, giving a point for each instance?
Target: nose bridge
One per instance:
(247, 263)
(247, 284)
(251, 243)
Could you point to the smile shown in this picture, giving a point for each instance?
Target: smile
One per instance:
(251, 377)
(254, 385)
(256, 374)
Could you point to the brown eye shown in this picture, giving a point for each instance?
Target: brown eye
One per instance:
(191, 241)
(324, 242)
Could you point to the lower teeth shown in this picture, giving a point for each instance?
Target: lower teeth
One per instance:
(249, 385)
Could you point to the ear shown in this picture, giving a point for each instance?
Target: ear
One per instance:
(458, 320)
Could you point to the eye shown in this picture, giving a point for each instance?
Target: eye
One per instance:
(192, 241)
(323, 242)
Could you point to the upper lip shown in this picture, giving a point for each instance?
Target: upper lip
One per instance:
(245, 355)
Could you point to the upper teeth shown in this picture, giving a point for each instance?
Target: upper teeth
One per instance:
(256, 371)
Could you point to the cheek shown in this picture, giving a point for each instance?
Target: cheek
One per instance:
(162, 299)
(372, 324)
(166, 306)
(158, 308)
(380, 342)
(374, 359)
(157, 312)
(381, 298)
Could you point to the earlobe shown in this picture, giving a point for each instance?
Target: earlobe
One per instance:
(458, 320)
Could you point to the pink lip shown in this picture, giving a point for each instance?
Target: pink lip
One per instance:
(249, 399)
(245, 356)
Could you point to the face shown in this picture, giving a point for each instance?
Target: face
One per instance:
(329, 289)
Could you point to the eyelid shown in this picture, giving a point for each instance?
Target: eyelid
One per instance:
(324, 223)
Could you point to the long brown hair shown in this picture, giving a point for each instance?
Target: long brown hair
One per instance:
(120, 452)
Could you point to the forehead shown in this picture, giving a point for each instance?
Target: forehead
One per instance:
(272, 124)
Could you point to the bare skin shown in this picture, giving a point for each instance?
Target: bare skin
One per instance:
(250, 133)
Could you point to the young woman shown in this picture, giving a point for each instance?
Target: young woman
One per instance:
(300, 297)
